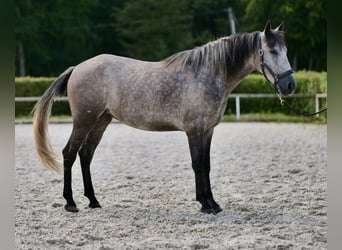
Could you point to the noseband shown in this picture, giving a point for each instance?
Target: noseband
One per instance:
(264, 66)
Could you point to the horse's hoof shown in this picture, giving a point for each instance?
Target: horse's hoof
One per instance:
(211, 210)
(71, 208)
(95, 205)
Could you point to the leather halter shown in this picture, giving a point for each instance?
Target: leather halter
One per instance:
(264, 66)
(278, 77)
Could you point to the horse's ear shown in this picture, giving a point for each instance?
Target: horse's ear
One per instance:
(269, 35)
(280, 27)
(267, 27)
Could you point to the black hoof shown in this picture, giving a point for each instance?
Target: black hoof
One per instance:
(211, 210)
(71, 208)
(94, 205)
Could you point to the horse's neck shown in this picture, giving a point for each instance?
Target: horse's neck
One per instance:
(239, 65)
(232, 81)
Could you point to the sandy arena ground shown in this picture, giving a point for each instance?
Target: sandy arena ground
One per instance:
(269, 179)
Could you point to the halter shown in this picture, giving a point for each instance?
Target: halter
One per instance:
(264, 66)
(278, 77)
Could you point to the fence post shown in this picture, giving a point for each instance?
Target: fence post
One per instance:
(237, 107)
(317, 104)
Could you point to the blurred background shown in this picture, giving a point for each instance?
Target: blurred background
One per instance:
(54, 34)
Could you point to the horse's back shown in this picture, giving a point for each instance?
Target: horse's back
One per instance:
(104, 65)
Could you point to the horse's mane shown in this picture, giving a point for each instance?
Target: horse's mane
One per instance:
(227, 54)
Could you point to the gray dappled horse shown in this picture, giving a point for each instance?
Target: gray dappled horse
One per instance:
(187, 91)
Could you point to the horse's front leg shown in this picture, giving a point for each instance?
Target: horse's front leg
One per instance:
(199, 143)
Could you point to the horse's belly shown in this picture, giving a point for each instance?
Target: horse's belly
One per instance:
(149, 123)
(155, 126)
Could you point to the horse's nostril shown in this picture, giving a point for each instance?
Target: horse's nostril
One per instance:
(291, 86)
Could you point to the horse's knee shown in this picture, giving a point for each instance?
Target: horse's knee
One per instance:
(69, 156)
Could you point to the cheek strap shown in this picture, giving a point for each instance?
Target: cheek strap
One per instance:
(264, 66)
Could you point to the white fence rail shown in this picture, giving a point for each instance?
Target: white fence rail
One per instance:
(36, 98)
(236, 96)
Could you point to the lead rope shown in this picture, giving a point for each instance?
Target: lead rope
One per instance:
(283, 103)
(276, 79)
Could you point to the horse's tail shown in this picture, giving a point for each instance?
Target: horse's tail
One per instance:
(41, 113)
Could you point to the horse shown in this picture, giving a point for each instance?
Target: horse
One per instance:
(187, 91)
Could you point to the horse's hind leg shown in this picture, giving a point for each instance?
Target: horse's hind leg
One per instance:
(86, 153)
(79, 132)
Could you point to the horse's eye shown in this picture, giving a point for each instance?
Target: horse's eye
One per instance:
(273, 52)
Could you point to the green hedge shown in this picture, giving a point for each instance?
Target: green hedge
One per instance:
(307, 82)
(35, 86)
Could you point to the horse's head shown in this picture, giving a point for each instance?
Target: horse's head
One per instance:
(273, 61)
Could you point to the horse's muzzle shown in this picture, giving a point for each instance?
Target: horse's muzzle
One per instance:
(287, 85)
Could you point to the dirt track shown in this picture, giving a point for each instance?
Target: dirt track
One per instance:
(270, 180)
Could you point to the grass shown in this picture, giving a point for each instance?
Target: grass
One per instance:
(251, 117)
(275, 117)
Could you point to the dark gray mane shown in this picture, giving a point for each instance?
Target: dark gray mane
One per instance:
(226, 55)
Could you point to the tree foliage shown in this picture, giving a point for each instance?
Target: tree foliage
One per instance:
(54, 34)
(152, 29)
(305, 25)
